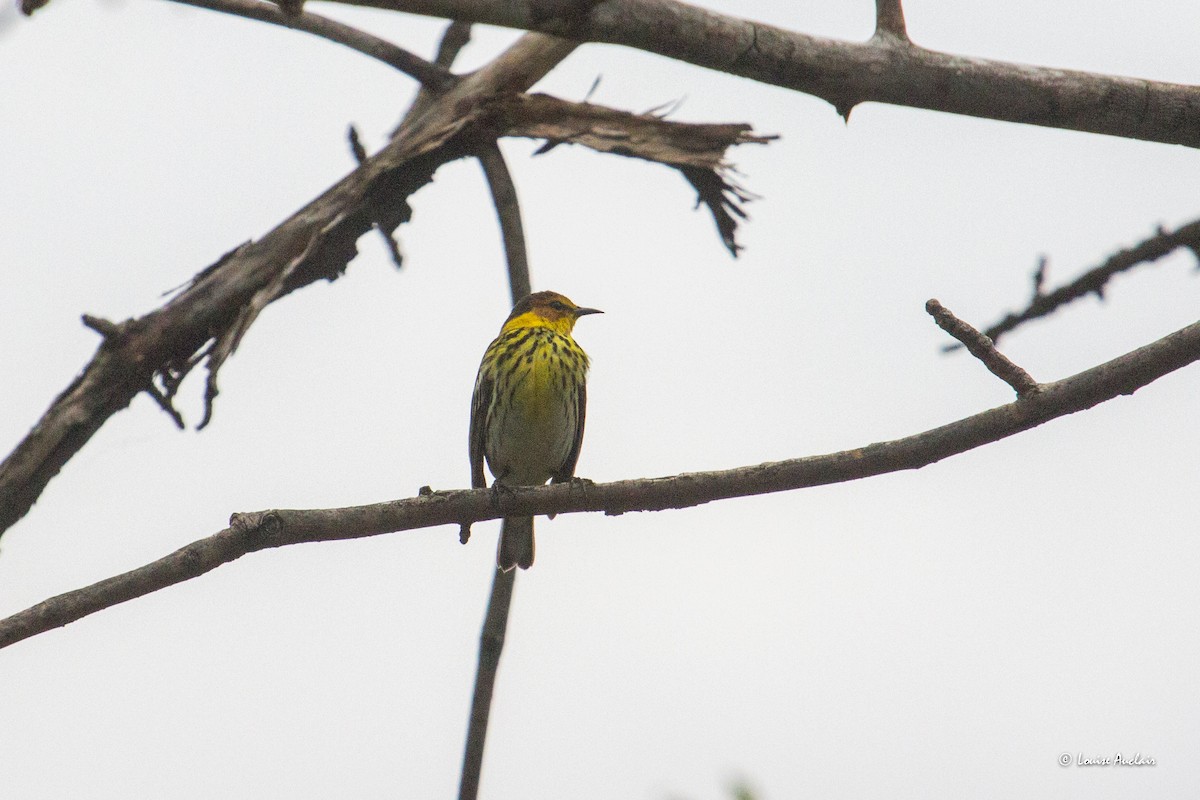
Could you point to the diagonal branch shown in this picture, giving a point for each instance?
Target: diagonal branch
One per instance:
(248, 533)
(848, 73)
(1095, 280)
(316, 243)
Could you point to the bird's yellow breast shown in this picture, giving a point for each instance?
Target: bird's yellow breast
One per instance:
(534, 419)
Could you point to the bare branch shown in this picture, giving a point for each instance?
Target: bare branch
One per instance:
(250, 532)
(491, 645)
(848, 73)
(508, 211)
(1095, 280)
(368, 44)
(982, 348)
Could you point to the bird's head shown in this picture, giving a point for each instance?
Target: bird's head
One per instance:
(546, 310)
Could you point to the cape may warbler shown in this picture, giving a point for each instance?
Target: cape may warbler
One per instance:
(528, 407)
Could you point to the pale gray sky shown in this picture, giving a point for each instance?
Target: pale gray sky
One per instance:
(945, 633)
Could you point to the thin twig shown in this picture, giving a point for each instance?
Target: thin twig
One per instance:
(164, 402)
(251, 532)
(983, 349)
(368, 44)
(1094, 281)
(456, 36)
(356, 146)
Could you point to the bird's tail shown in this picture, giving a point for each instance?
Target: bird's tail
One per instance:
(516, 543)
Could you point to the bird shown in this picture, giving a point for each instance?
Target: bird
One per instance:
(528, 408)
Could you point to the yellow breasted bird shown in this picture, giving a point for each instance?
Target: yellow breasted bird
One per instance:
(528, 408)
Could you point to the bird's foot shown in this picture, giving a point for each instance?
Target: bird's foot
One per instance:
(499, 491)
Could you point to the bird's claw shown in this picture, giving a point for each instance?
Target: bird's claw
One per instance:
(499, 491)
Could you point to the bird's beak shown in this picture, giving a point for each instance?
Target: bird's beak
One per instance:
(583, 312)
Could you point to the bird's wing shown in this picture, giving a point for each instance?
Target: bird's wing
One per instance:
(567, 471)
(480, 401)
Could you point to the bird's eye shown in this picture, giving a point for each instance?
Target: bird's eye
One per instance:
(559, 306)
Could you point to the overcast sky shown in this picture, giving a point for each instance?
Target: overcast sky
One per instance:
(943, 633)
